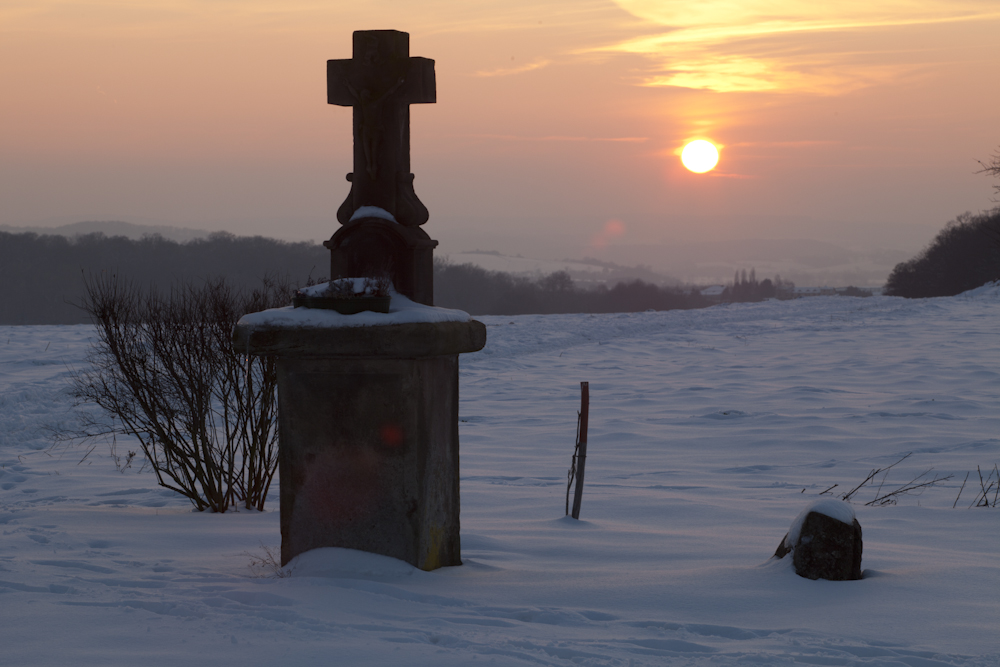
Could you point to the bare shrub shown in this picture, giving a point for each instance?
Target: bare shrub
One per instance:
(164, 369)
(266, 564)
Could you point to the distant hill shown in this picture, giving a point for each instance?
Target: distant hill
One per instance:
(803, 261)
(42, 275)
(113, 228)
(963, 256)
(587, 272)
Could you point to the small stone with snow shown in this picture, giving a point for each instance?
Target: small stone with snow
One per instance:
(825, 542)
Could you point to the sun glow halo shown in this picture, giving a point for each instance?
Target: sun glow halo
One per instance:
(700, 156)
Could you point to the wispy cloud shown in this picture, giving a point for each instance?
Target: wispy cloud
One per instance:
(784, 144)
(512, 137)
(726, 74)
(715, 173)
(775, 45)
(507, 71)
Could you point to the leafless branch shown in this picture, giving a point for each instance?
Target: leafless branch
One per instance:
(960, 490)
(909, 487)
(847, 496)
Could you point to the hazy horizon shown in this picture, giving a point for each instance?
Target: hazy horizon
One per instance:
(804, 261)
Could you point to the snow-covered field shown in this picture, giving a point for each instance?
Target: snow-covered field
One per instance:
(709, 431)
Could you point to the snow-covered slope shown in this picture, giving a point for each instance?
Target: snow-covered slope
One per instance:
(710, 430)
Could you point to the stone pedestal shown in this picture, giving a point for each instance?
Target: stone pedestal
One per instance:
(370, 246)
(368, 435)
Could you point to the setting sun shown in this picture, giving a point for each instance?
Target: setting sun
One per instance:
(700, 156)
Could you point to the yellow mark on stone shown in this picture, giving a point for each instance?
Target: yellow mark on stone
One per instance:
(432, 560)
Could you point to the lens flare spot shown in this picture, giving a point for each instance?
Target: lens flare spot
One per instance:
(612, 229)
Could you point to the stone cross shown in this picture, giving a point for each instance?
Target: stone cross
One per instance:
(381, 81)
(368, 416)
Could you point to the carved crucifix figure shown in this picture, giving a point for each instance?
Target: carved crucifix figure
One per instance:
(371, 123)
(381, 81)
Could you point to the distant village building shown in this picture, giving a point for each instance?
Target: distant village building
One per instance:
(714, 292)
(836, 291)
(859, 291)
(718, 293)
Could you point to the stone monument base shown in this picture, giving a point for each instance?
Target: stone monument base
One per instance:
(368, 435)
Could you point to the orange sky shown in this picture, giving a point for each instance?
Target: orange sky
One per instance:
(858, 121)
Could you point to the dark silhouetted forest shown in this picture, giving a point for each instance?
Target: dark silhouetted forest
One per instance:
(42, 276)
(964, 255)
(481, 292)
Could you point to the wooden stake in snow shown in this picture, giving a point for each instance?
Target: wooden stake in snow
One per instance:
(580, 452)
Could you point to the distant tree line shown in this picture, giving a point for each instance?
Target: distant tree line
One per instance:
(481, 292)
(964, 255)
(42, 277)
(746, 288)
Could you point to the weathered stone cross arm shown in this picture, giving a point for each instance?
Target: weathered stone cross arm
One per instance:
(418, 81)
(380, 81)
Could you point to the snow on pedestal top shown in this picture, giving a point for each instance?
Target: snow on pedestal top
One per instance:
(401, 311)
(372, 212)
